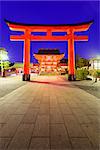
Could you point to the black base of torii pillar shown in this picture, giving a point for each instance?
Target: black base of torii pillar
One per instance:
(26, 77)
(71, 77)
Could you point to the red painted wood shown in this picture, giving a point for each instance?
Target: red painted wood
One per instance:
(48, 38)
(27, 53)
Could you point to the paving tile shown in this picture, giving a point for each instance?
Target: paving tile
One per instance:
(41, 126)
(72, 104)
(5, 115)
(61, 99)
(1, 125)
(59, 137)
(93, 134)
(95, 119)
(4, 118)
(81, 116)
(26, 100)
(88, 110)
(22, 109)
(22, 137)
(4, 142)
(55, 116)
(39, 144)
(9, 129)
(44, 109)
(4, 107)
(12, 108)
(65, 109)
(30, 116)
(73, 127)
(36, 103)
(81, 144)
(53, 101)
(45, 99)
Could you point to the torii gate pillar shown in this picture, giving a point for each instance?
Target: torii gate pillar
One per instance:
(71, 58)
(26, 75)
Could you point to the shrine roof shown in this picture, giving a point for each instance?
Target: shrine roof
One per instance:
(49, 52)
(64, 60)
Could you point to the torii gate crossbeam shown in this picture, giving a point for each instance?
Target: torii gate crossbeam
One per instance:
(70, 36)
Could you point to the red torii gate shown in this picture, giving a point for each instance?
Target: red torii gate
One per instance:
(70, 37)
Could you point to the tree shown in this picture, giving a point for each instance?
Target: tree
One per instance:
(81, 62)
(11, 64)
(81, 74)
(77, 58)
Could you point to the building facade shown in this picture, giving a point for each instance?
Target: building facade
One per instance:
(49, 60)
(94, 63)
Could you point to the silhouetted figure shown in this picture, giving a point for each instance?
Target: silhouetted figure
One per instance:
(95, 79)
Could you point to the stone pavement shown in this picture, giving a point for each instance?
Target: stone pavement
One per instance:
(89, 86)
(49, 113)
(8, 84)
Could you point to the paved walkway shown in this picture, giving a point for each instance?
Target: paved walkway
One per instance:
(89, 86)
(9, 84)
(49, 114)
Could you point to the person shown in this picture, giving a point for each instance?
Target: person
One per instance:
(95, 79)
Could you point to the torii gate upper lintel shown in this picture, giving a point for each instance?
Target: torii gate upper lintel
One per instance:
(70, 29)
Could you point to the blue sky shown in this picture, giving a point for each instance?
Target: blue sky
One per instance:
(50, 12)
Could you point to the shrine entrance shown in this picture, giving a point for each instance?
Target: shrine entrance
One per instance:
(70, 36)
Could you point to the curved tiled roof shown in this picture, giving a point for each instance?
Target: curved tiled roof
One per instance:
(49, 51)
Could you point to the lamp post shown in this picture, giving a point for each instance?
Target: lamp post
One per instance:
(3, 58)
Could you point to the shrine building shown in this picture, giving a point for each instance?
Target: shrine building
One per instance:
(49, 60)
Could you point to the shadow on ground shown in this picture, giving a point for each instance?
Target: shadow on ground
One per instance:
(53, 83)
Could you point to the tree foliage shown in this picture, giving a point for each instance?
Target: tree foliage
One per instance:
(81, 62)
(81, 74)
(6, 64)
(95, 73)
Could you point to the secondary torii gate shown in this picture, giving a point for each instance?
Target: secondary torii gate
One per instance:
(70, 37)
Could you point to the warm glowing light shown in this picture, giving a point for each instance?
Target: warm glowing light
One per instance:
(42, 63)
(3, 55)
(54, 63)
(48, 58)
(3, 60)
(48, 67)
(95, 63)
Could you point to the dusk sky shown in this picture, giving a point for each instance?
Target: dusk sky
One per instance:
(50, 12)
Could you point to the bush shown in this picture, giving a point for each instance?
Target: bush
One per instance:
(81, 74)
(98, 73)
(95, 73)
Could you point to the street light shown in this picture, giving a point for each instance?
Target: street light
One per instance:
(3, 58)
